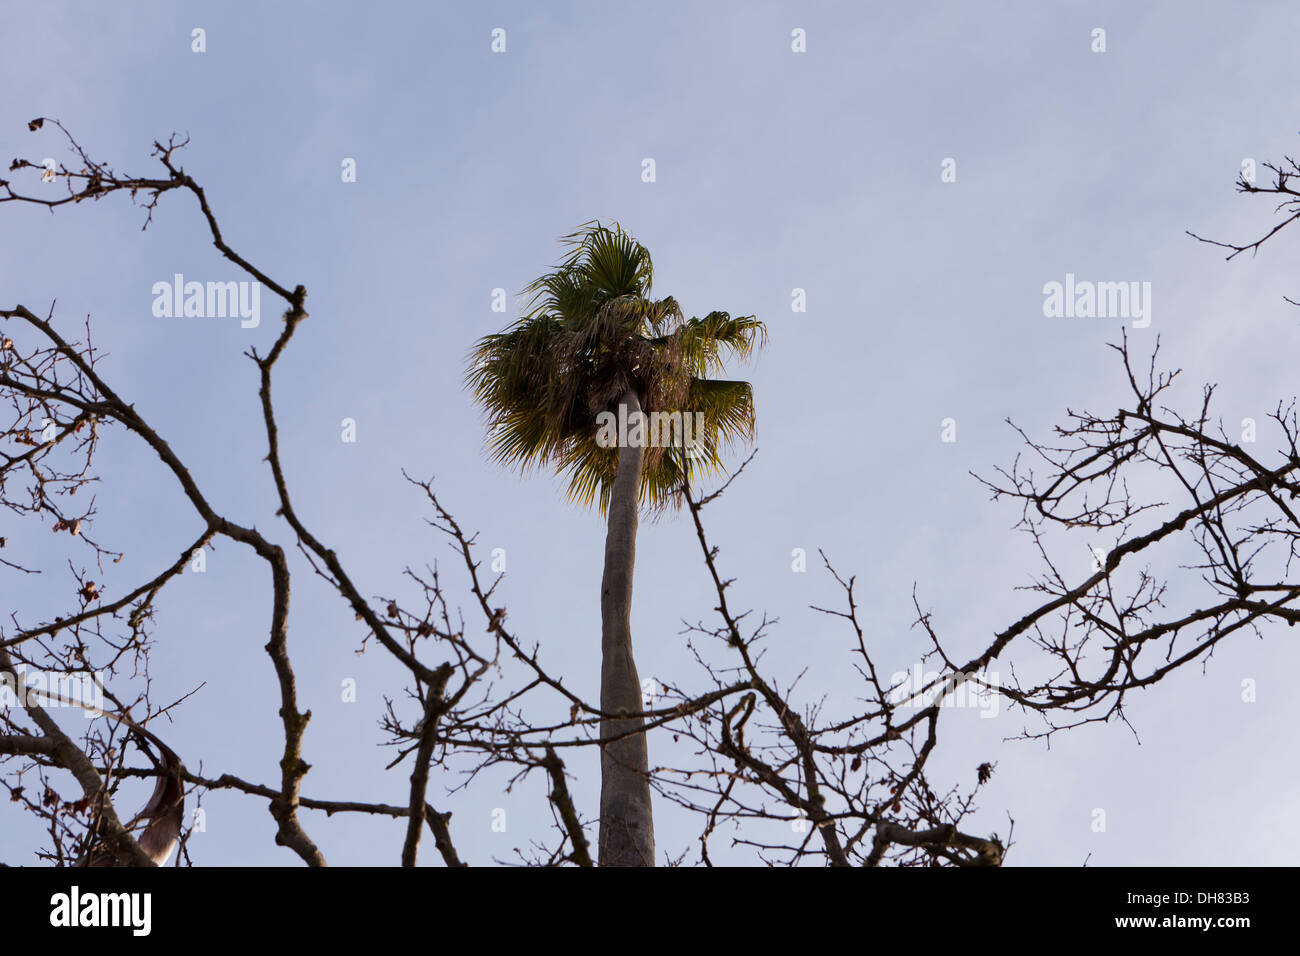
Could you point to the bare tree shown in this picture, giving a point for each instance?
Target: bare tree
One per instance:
(742, 748)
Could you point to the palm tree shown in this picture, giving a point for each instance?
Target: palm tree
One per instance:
(594, 346)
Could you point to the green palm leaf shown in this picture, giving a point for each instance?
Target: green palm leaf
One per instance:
(591, 332)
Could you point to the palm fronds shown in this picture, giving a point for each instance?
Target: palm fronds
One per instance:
(592, 331)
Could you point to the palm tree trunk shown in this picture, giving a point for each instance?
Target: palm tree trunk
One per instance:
(626, 826)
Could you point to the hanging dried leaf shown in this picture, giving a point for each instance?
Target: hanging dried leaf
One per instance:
(164, 812)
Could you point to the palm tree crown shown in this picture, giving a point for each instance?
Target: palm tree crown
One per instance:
(591, 333)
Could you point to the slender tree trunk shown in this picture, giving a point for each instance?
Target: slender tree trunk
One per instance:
(626, 826)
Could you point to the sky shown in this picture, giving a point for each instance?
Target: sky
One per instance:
(774, 171)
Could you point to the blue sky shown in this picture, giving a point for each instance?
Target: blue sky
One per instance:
(774, 171)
